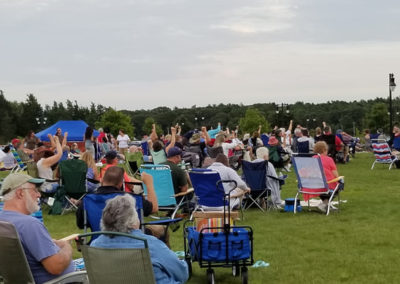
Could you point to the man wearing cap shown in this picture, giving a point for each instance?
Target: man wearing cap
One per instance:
(179, 177)
(47, 258)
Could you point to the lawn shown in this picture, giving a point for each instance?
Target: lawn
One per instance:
(359, 244)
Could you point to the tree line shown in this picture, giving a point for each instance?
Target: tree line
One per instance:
(17, 118)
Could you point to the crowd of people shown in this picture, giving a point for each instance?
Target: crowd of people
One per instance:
(219, 150)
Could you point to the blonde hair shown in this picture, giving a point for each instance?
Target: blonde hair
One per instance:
(87, 157)
(320, 147)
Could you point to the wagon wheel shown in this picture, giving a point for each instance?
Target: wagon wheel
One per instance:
(210, 276)
(245, 275)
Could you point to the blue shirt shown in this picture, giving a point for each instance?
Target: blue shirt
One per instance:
(167, 267)
(36, 242)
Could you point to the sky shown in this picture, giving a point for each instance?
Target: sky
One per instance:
(142, 54)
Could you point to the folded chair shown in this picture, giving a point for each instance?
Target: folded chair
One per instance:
(14, 266)
(311, 180)
(133, 161)
(73, 180)
(255, 175)
(117, 265)
(209, 190)
(382, 152)
(164, 188)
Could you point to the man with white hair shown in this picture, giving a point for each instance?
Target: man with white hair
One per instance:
(272, 179)
(120, 215)
(47, 258)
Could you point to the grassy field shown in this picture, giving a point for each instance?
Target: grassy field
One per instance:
(358, 245)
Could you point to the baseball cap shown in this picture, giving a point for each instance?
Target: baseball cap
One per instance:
(12, 181)
(15, 141)
(111, 155)
(174, 151)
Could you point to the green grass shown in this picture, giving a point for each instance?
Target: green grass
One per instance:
(359, 244)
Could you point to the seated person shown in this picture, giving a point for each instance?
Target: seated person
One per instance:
(330, 171)
(262, 154)
(221, 165)
(112, 183)
(8, 159)
(156, 146)
(47, 258)
(120, 215)
(92, 172)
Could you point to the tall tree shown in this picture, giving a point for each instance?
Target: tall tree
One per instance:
(116, 120)
(251, 121)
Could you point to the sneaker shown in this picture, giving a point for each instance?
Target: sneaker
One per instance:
(322, 207)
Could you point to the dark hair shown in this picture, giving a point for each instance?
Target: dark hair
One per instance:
(158, 146)
(29, 133)
(304, 131)
(88, 132)
(114, 176)
(221, 158)
(6, 149)
(104, 139)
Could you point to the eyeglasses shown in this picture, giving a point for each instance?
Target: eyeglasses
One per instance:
(34, 188)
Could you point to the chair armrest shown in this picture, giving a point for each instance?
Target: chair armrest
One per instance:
(336, 179)
(75, 277)
(190, 190)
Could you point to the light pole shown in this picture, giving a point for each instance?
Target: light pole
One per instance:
(392, 86)
(41, 120)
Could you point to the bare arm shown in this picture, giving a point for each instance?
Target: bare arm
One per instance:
(153, 135)
(48, 162)
(290, 126)
(205, 134)
(173, 139)
(259, 129)
(58, 262)
(64, 142)
(151, 194)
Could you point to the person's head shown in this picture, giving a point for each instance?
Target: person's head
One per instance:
(195, 139)
(21, 192)
(88, 132)
(220, 138)
(367, 131)
(111, 157)
(221, 158)
(262, 153)
(327, 130)
(6, 149)
(87, 157)
(58, 131)
(15, 141)
(30, 134)
(304, 132)
(297, 132)
(47, 153)
(278, 132)
(318, 131)
(396, 129)
(101, 130)
(104, 139)
(256, 134)
(120, 215)
(174, 155)
(158, 145)
(74, 146)
(321, 148)
(121, 132)
(114, 176)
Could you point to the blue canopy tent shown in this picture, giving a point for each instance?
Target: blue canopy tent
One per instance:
(75, 128)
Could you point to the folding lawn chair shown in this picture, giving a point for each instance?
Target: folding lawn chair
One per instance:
(256, 178)
(14, 267)
(133, 162)
(73, 180)
(382, 152)
(214, 151)
(311, 180)
(164, 188)
(117, 265)
(209, 190)
(303, 147)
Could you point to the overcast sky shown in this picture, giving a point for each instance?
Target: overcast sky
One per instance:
(133, 54)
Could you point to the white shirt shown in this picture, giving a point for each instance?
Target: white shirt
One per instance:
(123, 141)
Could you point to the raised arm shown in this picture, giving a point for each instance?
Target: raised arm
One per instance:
(153, 135)
(48, 162)
(173, 139)
(205, 135)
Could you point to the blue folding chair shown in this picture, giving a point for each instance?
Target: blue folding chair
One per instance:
(255, 175)
(164, 188)
(311, 179)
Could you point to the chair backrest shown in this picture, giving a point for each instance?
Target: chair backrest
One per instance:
(303, 147)
(134, 161)
(14, 266)
(118, 265)
(382, 151)
(309, 171)
(264, 139)
(93, 205)
(162, 181)
(73, 177)
(207, 187)
(330, 139)
(255, 174)
(145, 148)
